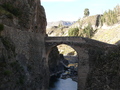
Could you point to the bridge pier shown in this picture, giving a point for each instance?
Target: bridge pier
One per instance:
(83, 68)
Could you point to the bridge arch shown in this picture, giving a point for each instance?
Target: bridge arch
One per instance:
(83, 60)
(49, 48)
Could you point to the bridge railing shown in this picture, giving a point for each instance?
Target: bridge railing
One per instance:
(67, 38)
(58, 37)
(77, 41)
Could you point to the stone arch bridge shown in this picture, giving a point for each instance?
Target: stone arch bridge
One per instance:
(87, 50)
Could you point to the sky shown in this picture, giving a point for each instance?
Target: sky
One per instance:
(72, 10)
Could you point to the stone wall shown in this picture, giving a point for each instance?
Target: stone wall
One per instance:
(23, 65)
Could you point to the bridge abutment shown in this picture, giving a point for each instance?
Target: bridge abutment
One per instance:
(83, 68)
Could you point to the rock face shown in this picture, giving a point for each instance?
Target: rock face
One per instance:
(105, 68)
(54, 62)
(83, 22)
(27, 15)
(23, 65)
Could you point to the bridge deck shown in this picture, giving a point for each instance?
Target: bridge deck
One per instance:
(77, 40)
(64, 39)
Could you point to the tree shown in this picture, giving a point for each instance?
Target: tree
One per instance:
(86, 12)
(117, 10)
(109, 17)
(87, 31)
(73, 32)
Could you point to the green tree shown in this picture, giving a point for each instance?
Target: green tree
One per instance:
(10, 8)
(117, 10)
(109, 17)
(73, 32)
(60, 25)
(87, 31)
(86, 12)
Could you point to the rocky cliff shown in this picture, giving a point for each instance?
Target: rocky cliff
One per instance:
(104, 69)
(53, 60)
(83, 22)
(22, 57)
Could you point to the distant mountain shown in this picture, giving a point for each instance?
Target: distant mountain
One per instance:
(63, 23)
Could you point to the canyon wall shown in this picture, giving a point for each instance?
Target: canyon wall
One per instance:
(104, 69)
(23, 65)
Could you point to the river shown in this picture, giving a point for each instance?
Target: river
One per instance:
(64, 84)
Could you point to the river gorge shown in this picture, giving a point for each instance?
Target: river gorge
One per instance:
(26, 61)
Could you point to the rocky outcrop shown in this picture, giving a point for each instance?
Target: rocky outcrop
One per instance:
(104, 71)
(23, 65)
(25, 15)
(83, 22)
(54, 61)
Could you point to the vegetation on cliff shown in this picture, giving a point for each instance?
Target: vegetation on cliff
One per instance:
(10, 8)
(1, 27)
(109, 17)
(87, 31)
(73, 32)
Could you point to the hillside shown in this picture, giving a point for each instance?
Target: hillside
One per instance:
(94, 20)
(56, 30)
(105, 33)
(108, 34)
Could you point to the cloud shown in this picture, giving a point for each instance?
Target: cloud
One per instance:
(57, 0)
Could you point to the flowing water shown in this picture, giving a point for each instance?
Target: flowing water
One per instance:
(64, 84)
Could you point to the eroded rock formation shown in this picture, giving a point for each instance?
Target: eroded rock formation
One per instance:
(22, 57)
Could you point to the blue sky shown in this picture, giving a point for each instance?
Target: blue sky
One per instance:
(72, 10)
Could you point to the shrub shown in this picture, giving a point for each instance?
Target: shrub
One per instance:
(10, 8)
(4, 12)
(7, 72)
(73, 32)
(87, 31)
(8, 44)
(1, 27)
(109, 17)
(9, 15)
